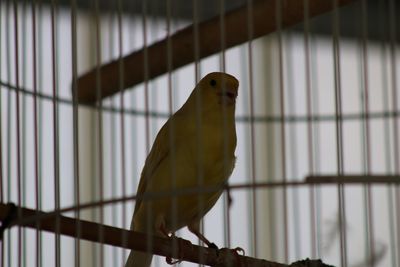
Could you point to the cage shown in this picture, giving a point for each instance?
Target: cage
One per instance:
(87, 85)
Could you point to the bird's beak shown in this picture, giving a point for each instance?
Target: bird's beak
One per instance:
(229, 92)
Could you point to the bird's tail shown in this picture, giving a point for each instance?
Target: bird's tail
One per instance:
(139, 259)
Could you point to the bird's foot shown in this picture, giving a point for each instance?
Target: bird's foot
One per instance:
(237, 250)
(179, 244)
(171, 261)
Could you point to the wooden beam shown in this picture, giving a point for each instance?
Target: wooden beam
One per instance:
(239, 28)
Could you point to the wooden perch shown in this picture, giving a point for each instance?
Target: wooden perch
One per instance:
(134, 240)
(239, 28)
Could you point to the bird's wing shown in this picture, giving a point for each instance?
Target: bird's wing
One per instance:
(157, 154)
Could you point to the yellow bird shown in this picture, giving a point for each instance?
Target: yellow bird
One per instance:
(194, 149)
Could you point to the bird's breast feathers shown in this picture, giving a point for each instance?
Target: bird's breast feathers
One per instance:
(211, 150)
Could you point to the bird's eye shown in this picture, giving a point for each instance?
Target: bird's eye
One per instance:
(213, 82)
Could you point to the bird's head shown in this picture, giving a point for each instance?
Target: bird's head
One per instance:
(218, 89)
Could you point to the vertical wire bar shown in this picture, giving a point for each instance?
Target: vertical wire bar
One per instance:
(222, 35)
(95, 55)
(222, 62)
(393, 30)
(149, 213)
(196, 39)
(252, 127)
(293, 147)
(122, 118)
(99, 109)
(113, 171)
(199, 137)
(75, 130)
(199, 117)
(35, 125)
(146, 75)
(339, 134)
(227, 200)
(134, 119)
(18, 130)
(367, 142)
(173, 162)
(199, 121)
(172, 128)
(1, 134)
(310, 136)
(94, 183)
(153, 87)
(23, 130)
(283, 130)
(1, 125)
(40, 119)
(1, 129)
(247, 159)
(55, 132)
(114, 192)
(113, 138)
(9, 122)
(385, 50)
(316, 149)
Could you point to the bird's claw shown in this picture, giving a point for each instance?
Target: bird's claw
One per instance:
(181, 243)
(237, 250)
(171, 261)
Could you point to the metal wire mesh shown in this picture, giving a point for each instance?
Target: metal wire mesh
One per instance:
(309, 104)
